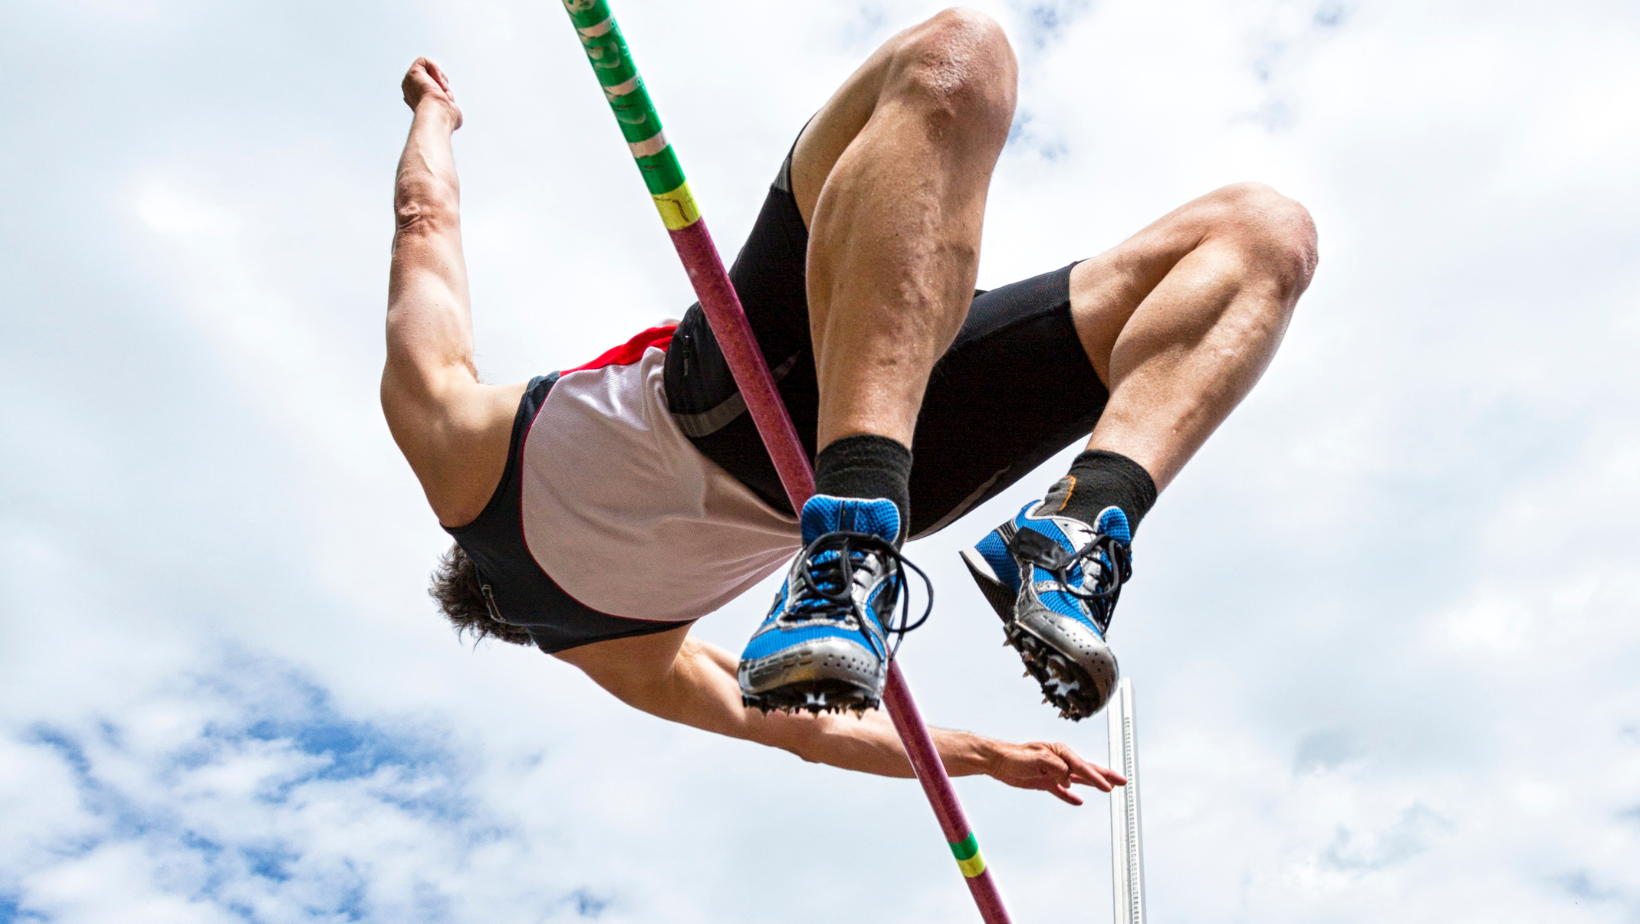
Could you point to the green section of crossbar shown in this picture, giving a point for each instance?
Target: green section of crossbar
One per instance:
(628, 98)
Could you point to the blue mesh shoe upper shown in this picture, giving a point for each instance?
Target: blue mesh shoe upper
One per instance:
(844, 583)
(826, 514)
(1073, 570)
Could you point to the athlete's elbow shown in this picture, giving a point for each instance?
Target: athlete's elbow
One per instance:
(420, 218)
(425, 205)
(803, 750)
(800, 737)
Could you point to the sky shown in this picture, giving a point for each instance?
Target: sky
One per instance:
(1382, 630)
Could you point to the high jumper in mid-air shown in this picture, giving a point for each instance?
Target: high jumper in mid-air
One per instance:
(599, 511)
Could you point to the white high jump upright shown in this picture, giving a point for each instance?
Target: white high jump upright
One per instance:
(1126, 847)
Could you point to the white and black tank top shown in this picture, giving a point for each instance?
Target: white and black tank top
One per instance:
(608, 522)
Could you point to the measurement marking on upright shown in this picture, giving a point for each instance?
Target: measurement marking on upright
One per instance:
(1126, 844)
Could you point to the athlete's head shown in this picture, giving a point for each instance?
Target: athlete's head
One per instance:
(460, 595)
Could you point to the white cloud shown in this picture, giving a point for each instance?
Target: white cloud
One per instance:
(257, 800)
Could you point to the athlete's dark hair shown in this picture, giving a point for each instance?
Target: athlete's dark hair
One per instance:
(460, 594)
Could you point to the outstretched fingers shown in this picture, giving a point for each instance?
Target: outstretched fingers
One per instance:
(1053, 768)
(1063, 767)
(1064, 794)
(1086, 772)
(1041, 767)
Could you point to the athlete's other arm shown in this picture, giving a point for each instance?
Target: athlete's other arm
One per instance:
(682, 679)
(453, 430)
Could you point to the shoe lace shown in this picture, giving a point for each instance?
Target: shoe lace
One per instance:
(1106, 564)
(826, 587)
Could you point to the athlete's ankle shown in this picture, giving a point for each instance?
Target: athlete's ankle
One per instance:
(1099, 479)
(867, 466)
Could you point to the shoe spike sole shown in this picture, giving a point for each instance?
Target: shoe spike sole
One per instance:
(1065, 684)
(814, 697)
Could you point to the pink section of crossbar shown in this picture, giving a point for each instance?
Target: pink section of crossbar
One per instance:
(919, 746)
(735, 338)
(739, 345)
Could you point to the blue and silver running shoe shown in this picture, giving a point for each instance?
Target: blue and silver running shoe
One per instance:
(1054, 581)
(824, 646)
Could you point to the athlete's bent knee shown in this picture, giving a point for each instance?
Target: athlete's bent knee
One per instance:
(1275, 231)
(959, 68)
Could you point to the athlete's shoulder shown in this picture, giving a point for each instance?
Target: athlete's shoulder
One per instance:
(458, 446)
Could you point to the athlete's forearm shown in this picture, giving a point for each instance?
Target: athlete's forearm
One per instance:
(866, 743)
(426, 188)
(869, 744)
(429, 324)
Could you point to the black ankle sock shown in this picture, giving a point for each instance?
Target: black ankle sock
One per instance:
(1099, 479)
(867, 466)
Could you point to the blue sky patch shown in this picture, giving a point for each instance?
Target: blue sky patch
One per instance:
(273, 748)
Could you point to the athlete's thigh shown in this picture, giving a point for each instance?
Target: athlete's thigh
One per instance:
(848, 110)
(833, 128)
(1015, 388)
(1107, 289)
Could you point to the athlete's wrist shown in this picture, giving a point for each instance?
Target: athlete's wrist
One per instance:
(965, 753)
(438, 111)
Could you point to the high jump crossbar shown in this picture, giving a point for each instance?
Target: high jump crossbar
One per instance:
(624, 89)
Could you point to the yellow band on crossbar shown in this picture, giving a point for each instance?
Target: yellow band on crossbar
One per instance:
(678, 209)
(969, 859)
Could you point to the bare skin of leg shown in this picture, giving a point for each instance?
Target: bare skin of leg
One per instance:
(891, 177)
(1181, 319)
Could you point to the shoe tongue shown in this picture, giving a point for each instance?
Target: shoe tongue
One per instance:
(1114, 523)
(1058, 494)
(826, 514)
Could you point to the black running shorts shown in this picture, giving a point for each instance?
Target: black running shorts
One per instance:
(1015, 387)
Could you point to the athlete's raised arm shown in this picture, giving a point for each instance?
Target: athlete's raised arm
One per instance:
(453, 430)
(682, 679)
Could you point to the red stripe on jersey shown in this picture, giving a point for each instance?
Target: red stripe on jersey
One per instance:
(631, 351)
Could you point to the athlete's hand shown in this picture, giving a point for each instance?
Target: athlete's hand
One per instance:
(1051, 767)
(426, 82)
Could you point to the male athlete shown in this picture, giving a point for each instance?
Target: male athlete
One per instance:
(600, 510)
